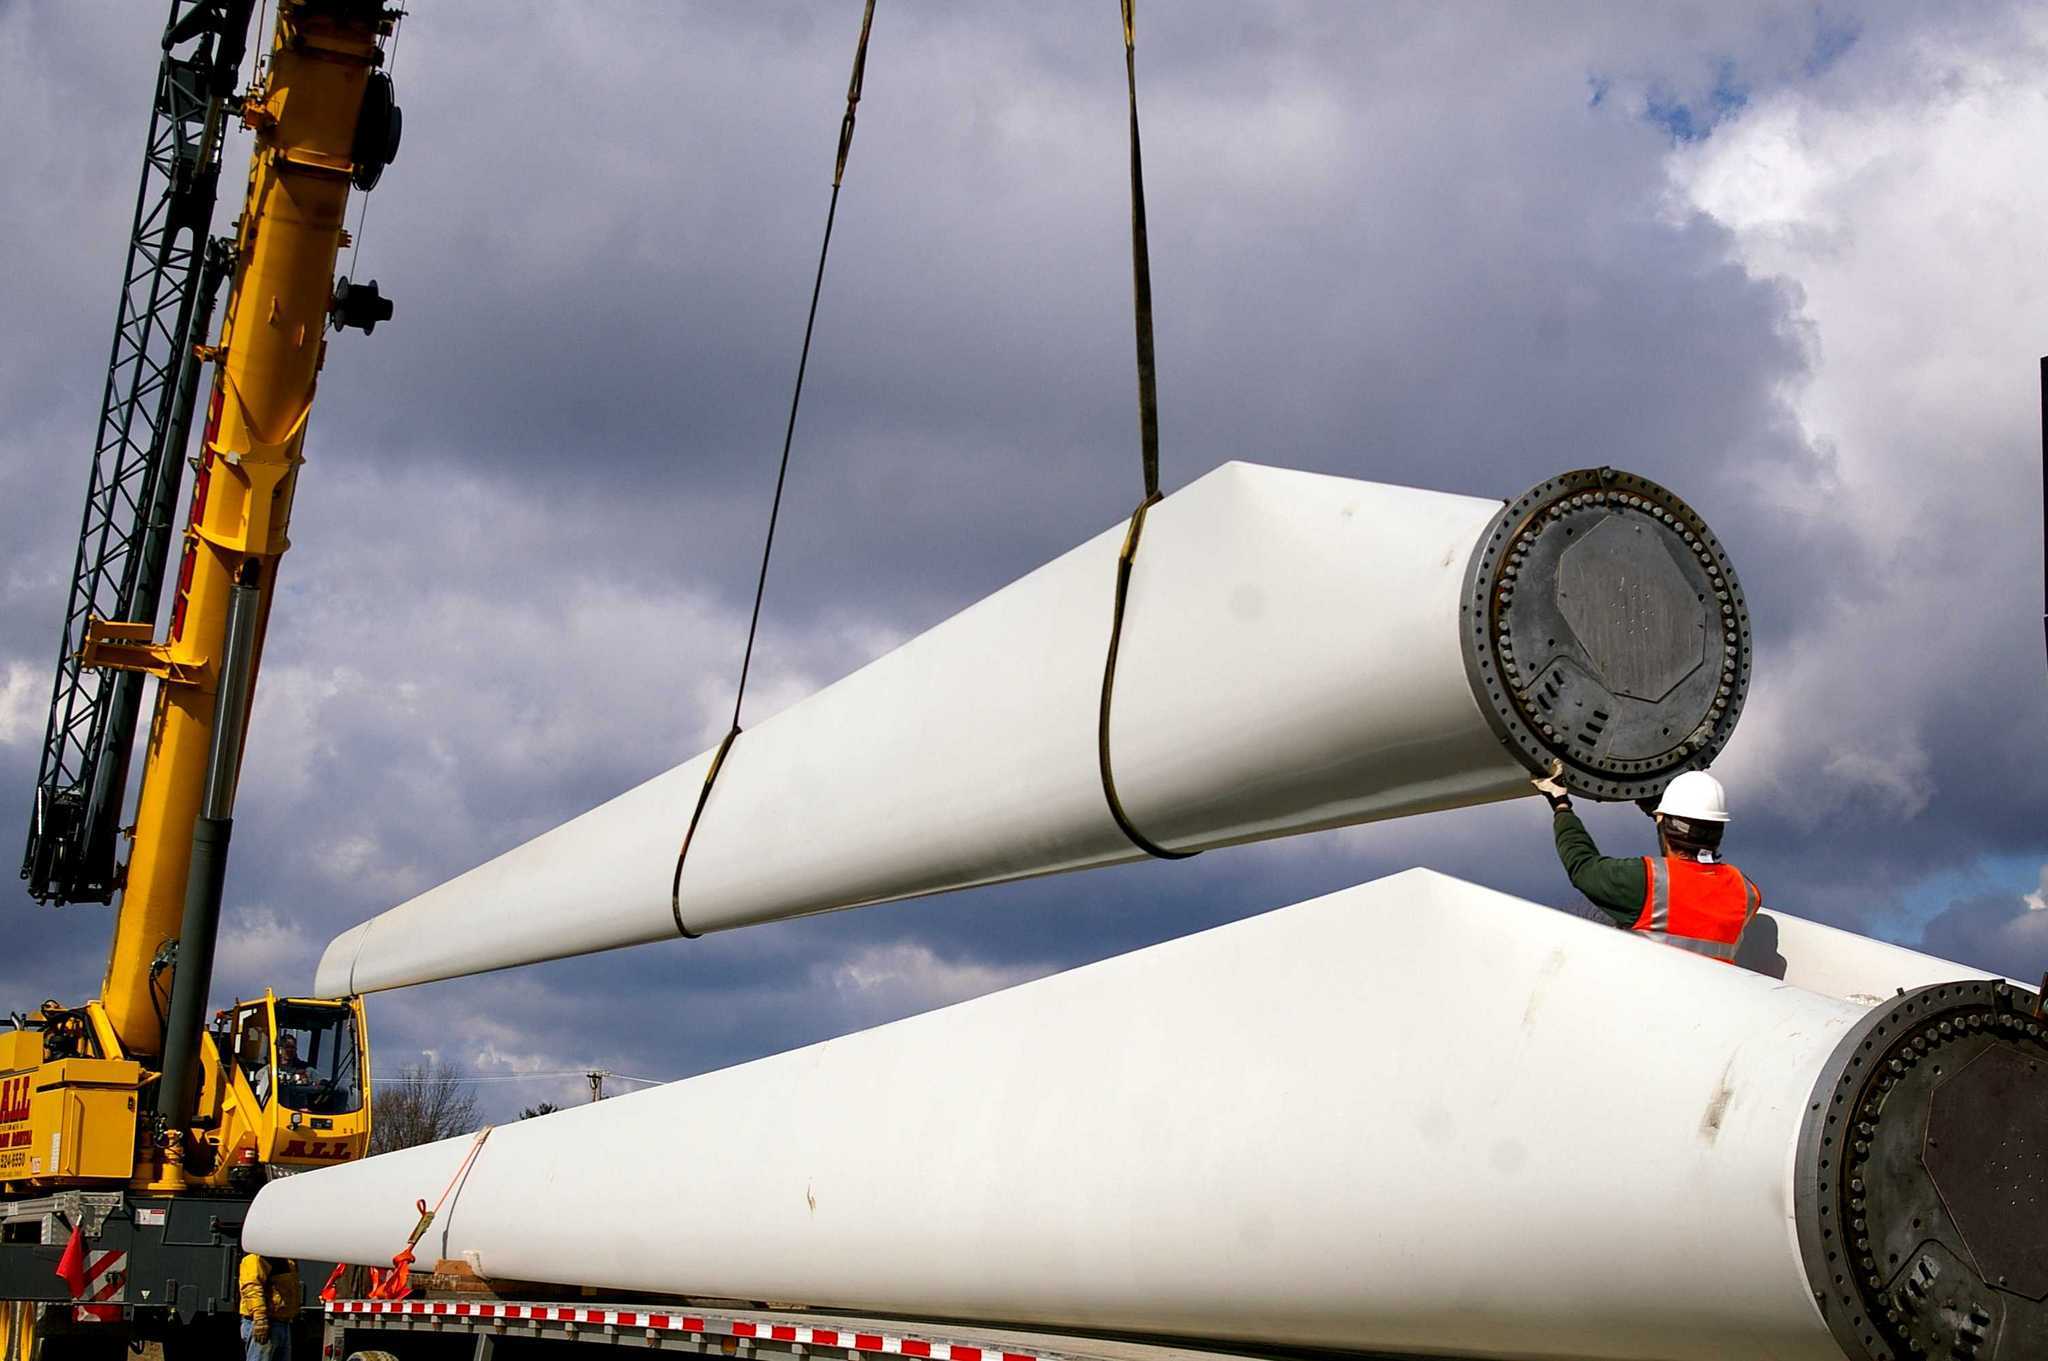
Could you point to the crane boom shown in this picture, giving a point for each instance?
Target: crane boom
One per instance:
(323, 122)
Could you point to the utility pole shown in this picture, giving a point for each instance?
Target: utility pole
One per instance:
(596, 1077)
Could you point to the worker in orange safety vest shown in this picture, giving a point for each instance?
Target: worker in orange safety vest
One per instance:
(1684, 896)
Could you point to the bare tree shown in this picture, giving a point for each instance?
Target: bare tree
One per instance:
(426, 1101)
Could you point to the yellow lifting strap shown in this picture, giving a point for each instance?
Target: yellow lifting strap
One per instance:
(1148, 442)
(853, 89)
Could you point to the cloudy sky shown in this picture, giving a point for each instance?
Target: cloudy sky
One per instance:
(1785, 258)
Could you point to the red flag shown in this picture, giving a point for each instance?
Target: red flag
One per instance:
(71, 1266)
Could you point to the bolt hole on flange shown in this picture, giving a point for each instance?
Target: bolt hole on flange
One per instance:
(1600, 591)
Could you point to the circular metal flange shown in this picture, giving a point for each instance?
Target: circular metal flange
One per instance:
(1604, 629)
(1921, 1177)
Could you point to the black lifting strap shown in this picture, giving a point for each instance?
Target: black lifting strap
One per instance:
(860, 63)
(1148, 438)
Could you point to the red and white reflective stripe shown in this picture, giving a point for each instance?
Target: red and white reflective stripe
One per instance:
(106, 1276)
(888, 1344)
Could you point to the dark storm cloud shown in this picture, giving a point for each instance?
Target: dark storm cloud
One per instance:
(1393, 243)
(1345, 264)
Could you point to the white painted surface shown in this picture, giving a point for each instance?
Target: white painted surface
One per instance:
(1838, 963)
(1415, 1115)
(1291, 661)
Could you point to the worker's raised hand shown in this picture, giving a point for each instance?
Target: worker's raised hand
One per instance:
(1551, 785)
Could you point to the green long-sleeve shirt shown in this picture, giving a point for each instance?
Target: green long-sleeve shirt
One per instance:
(1615, 886)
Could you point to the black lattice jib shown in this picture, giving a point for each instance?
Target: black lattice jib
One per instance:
(132, 484)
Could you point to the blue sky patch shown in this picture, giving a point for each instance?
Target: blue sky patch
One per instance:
(1987, 875)
(1832, 37)
(1691, 122)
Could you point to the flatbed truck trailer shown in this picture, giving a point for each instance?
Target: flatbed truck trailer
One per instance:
(429, 1329)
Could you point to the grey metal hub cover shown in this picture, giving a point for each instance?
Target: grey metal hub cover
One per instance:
(1604, 629)
(1920, 1177)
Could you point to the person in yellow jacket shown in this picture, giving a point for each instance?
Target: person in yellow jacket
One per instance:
(270, 1301)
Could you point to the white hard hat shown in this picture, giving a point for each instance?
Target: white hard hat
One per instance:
(1695, 795)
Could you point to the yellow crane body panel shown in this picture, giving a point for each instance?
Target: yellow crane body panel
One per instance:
(20, 1050)
(67, 1121)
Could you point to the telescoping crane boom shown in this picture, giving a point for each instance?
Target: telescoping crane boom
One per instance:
(126, 1120)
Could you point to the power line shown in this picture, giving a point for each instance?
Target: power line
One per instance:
(644, 1081)
(544, 1076)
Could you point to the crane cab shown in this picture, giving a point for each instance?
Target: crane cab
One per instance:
(293, 1077)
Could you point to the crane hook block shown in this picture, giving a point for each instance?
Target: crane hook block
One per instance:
(358, 305)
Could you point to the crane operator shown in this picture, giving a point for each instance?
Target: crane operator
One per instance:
(1685, 895)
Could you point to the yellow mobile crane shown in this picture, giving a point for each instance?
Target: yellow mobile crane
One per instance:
(131, 1133)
